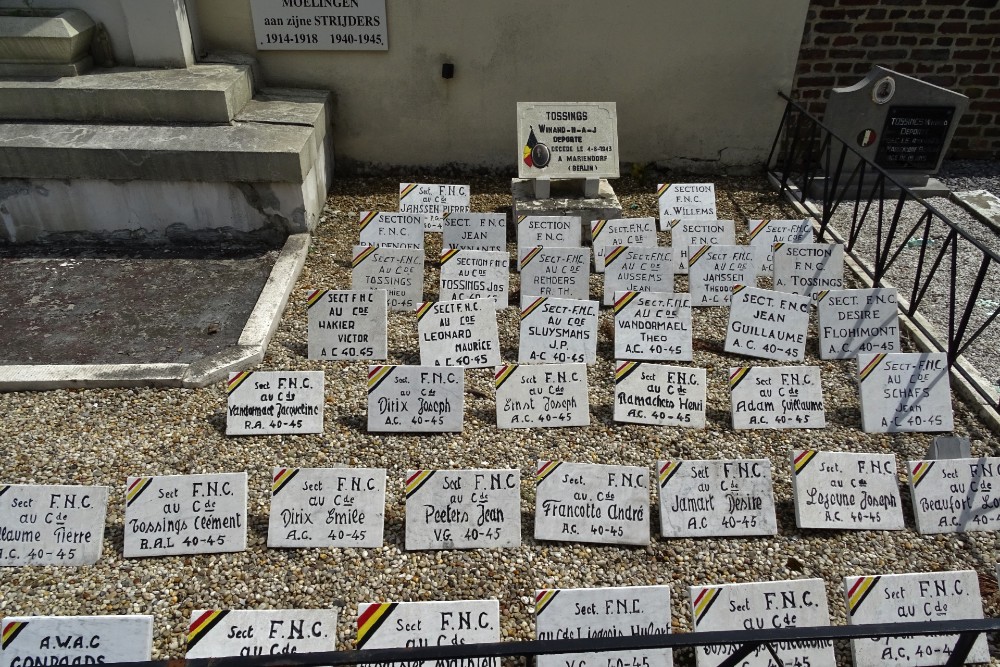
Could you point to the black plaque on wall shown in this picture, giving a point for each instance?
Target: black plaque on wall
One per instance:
(914, 137)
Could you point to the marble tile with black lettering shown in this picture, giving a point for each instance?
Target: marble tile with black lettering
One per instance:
(51, 525)
(767, 324)
(905, 392)
(346, 325)
(398, 271)
(391, 229)
(776, 397)
(717, 498)
(463, 509)
(685, 201)
(659, 395)
(955, 495)
(550, 231)
(415, 399)
(713, 270)
(434, 199)
(843, 491)
(653, 326)
(223, 633)
(326, 507)
(763, 234)
(474, 274)
(558, 331)
(808, 268)
(637, 269)
(560, 272)
(684, 233)
(458, 333)
(605, 234)
(542, 395)
(584, 502)
(75, 640)
(274, 402)
(857, 320)
(475, 231)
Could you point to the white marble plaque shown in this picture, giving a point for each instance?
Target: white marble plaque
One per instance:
(955, 495)
(582, 502)
(458, 333)
(717, 498)
(605, 234)
(841, 491)
(326, 507)
(346, 325)
(637, 269)
(759, 606)
(398, 271)
(767, 324)
(585, 613)
(358, 25)
(174, 515)
(390, 229)
(653, 326)
(567, 140)
(463, 509)
(913, 598)
(542, 395)
(561, 272)
(474, 274)
(904, 392)
(857, 320)
(475, 231)
(776, 397)
(434, 200)
(684, 233)
(685, 201)
(659, 395)
(550, 231)
(558, 331)
(33, 641)
(763, 234)
(274, 402)
(808, 268)
(415, 399)
(713, 270)
(221, 633)
(51, 525)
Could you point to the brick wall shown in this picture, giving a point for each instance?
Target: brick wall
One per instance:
(949, 43)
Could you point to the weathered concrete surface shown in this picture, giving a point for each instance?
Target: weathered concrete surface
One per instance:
(60, 36)
(982, 203)
(566, 198)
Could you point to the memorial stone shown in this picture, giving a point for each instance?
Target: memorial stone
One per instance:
(637, 269)
(842, 491)
(458, 333)
(767, 324)
(542, 395)
(398, 271)
(176, 515)
(75, 640)
(434, 201)
(904, 392)
(558, 331)
(51, 525)
(685, 201)
(474, 231)
(560, 272)
(474, 274)
(713, 270)
(808, 268)
(567, 140)
(955, 495)
(274, 402)
(659, 395)
(605, 234)
(913, 598)
(359, 25)
(653, 326)
(326, 507)
(949, 447)
(857, 320)
(346, 325)
(763, 234)
(391, 230)
(776, 397)
(463, 509)
(582, 502)
(415, 399)
(551, 231)
(718, 498)
(684, 233)
(222, 633)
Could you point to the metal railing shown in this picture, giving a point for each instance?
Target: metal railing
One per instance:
(857, 203)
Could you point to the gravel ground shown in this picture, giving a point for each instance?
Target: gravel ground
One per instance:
(101, 436)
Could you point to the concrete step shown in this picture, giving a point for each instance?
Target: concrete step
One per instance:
(204, 93)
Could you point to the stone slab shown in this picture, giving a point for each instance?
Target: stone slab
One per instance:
(660, 395)
(557, 331)
(567, 140)
(558, 231)
(433, 200)
(474, 231)
(474, 274)
(398, 271)
(415, 399)
(904, 392)
(558, 272)
(105, 639)
(982, 203)
(274, 402)
(853, 321)
(808, 268)
(679, 201)
(844, 491)
(346, 325)
(566, 200)
(763, 234)
(713, 271)
(44, 36)
(767, 324)
(51, 525)
(604, 234)
(221, 633)
(391, 230)
(653, 326)
(47, 70)
(955, 495)
(402, 624)
(458, 333)
(779, 397)
(684, 233)
(638, 269)
(542, 395)
(949, 447)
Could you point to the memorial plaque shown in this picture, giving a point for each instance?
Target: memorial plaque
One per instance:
(51, 525)
(463, 509)
(808, 268)
(561, 272)
(713, 270)
(857, 320)
(33, 641)
(567, 140)
(415, 399)
(326, 507)
(763, 234)
(542, 395)
(660, 395)
(475, 231)
(558, 331)
(398, 271)
(358, 25)
(653, 326)
(391, 229)
(434, 200)
(346, 325)
(841, 491)
(904, 392)
(767, 324)
(605, 234)
(955, 495)
(913, 598)
(776, 397)
(221, 633)
(550, 231)
(718, 498)
(458, 333)
(637, 269)
(684, 233)
(175, 515)
(685, 201)
(769, 604)
(914, 137)
(274, 402)
(582, 502)
(590, 613)
(474, 274)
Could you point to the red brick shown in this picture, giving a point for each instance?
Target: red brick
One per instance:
(953, 28)
(908, 40)
(876, 14)
(890, 40)
(833, 14)
(964, 68)
(816, 81)
(985, 28)
(924, 68)
(813, 54)
(821, 40)
(874, 26)
(887, 54)
(956, 13)
(823, 67)
(904, 68)
(846, 54)
(972, 93)
(929, 54)
(869, 40)
(909, 26)
(977, 15)
(980, 80)
(988, 106)
(971, 54)
(983, 4)
(991, 131)
(926, 41)
(843, 68)
(845, 40)
(897, 13)
(833, 27)
(980, 68)
(995, 15)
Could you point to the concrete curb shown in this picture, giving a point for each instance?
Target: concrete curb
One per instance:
(257, 333)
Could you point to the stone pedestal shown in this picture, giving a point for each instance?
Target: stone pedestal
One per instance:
(39, 42)
(566, 197)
